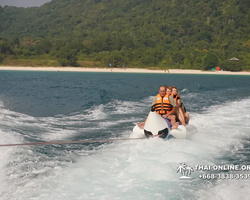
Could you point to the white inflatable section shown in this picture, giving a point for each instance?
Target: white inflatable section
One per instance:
(179, 133)
(137, 132)
(155, 123)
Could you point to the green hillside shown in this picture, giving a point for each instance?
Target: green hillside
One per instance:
(136, 33)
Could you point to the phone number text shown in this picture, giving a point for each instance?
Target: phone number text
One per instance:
(224, 176)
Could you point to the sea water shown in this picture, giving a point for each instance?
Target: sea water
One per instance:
(70, 106)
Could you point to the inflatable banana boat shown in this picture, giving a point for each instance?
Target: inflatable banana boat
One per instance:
(156, 125)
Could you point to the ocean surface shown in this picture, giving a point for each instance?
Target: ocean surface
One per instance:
(69, 106)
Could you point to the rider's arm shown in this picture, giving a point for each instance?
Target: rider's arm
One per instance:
(172, 101)
(178, 103)
(154, 101)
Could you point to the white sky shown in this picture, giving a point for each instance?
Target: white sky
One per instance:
(23, 3)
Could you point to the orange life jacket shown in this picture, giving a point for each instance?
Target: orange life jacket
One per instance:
(162, 105)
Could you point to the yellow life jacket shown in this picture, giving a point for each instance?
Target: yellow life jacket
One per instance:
(162, 105)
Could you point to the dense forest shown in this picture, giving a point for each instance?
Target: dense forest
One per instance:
(186, 34)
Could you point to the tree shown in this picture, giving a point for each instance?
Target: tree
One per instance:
(187, 63)
(16, 42)
(43, 47)
(178, 58)
(233, 66)
(67, 57)
(5, 47)
(209, 61)
(1, 58)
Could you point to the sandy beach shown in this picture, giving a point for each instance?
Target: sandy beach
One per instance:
(120, 70)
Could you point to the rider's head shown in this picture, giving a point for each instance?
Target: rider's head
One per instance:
(162, 90)
(169, 89)
(174, 90)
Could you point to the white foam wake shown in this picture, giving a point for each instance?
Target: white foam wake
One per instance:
(144, 169)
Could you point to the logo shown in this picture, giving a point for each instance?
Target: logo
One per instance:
(185, 171)
(209, 172)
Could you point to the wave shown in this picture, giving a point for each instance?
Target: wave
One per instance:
(143, 169)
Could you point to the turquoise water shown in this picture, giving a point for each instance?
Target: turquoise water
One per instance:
(53, 106)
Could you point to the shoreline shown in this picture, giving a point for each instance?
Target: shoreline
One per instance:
(119, 70)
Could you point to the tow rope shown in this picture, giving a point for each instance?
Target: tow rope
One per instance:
(69, 142)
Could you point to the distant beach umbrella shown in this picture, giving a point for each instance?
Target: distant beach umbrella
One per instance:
(217, 68)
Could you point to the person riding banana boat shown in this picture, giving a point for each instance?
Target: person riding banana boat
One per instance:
(164, 104)
(182, 114)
